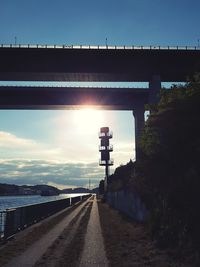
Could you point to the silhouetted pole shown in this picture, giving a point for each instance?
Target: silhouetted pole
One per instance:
(105, 148)
(107, 175)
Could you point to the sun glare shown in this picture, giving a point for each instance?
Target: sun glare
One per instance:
(88, 120)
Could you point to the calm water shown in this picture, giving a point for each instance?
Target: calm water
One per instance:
(7, 202)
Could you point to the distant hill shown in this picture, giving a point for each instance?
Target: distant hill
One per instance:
(11, 190)
(79, 190)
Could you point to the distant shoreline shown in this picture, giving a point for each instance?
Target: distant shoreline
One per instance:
(17, 195)
(32, 190)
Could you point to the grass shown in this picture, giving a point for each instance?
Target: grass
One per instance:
(129, 244)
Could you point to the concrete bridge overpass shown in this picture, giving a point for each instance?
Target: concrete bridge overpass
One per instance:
(48, 97)
(92, 64)
(97, 63)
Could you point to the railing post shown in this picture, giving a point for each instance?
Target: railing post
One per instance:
(9, 229)
(2, 224)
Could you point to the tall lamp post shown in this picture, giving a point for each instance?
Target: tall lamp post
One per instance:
(105, 148)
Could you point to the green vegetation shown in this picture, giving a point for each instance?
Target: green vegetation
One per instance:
(167, 176)
(122, 177)
(101, 187)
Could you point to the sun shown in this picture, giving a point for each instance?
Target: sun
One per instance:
(88, 120)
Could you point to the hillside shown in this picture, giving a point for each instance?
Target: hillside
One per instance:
(167, 176)
(11, 189)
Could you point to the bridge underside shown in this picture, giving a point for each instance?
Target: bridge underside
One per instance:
(52, 64)
(22, 97)
(126, 65)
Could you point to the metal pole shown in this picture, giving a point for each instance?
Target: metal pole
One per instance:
(106, 177)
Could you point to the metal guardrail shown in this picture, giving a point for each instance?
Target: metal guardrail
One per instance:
(101, 47)
(16, 219)
(139, 88)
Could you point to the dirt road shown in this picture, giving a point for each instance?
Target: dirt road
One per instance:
(88, 235)
(75, 240)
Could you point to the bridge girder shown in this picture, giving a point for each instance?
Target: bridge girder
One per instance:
(22, 97)
(117, 65)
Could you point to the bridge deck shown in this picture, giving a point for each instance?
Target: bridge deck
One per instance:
(24, 97)
(96, 63)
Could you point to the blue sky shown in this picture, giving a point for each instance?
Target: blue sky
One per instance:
(144, 22)
(54, 147)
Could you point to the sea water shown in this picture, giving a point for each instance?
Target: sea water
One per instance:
(7, 202)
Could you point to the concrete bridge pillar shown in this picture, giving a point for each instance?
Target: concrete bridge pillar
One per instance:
(138, 114)
(154, 88)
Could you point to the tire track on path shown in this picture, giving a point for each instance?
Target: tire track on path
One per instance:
(33, 253)
(66, 249)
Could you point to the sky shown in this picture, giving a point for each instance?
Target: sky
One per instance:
(59, 147)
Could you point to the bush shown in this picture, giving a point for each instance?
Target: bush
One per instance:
(168, 173)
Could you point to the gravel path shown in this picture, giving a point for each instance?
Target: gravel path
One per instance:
(73, 238)
(75, 241)
(33, 255)
(94, 251)
(67, 247)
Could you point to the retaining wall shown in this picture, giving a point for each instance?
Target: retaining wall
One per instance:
(128, 203)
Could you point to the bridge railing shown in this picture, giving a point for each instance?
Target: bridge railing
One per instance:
(16, 219)
(101, 47)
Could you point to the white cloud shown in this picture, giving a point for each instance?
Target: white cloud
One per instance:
(81, 150)
(12, 146)
(123, 152)
(62, 174)
(10, 141)
(70, 163)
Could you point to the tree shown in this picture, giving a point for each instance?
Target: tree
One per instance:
(168, 174)
(120, 180)
(101, 187)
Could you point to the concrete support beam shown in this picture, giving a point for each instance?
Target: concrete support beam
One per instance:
(154, 89)
(138, 114)
(37, 97)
